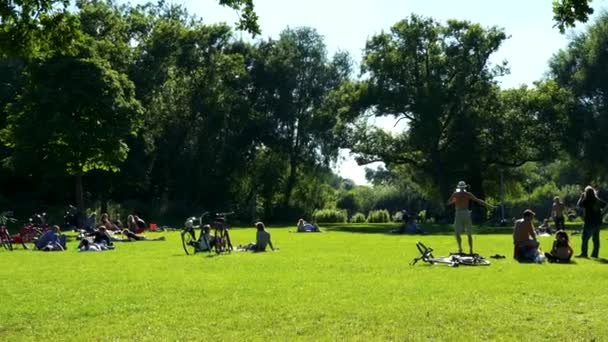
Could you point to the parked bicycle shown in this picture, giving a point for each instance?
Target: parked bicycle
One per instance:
(5, 237)
(218, 242)
(31, 231)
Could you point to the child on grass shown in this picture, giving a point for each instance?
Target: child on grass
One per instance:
(561, 250)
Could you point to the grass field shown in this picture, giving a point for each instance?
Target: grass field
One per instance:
(348, 283)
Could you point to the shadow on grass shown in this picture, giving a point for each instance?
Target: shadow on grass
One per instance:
(601, 260)
(430, 229)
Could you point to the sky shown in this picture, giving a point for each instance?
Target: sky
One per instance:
(347, 24)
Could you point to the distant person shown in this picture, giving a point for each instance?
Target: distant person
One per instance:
(132, 236)
(206, 240)
(262, 239)
(89, 224)
(524, 237)
(593, 219)
(557, 212)
(561, 250)
(52, 240)
(101, 235)
(305, 227)
(87, 246)
(131, 224)
(461, 199)
(544, 228)
(109, 225)
(140, 223)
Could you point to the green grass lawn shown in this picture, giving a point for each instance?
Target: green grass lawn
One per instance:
(343, 284)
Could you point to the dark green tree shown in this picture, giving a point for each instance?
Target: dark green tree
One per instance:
(72, 117)
(581, 69)
(436, 78)
(567, 12)
(293, 78)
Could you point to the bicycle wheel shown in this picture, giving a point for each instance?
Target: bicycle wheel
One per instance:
(6, 241)
(188, 242)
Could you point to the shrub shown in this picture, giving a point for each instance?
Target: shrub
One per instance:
(378, 216)
(329, 216)
(358, 218)
(398, 217)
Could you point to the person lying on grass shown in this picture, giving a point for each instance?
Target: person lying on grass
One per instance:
(131, 236)
(561, 250)
(51, 240)
(524, 237)
(305, 227)
(87, 246)
(262, 239)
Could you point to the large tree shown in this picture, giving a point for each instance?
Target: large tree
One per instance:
(293, 78)
(433, 76)
(72, 117)
(581, 68)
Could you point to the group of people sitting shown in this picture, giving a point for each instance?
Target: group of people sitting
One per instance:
(527, 245)
(97, 236)
(207, 242)
(409, 225)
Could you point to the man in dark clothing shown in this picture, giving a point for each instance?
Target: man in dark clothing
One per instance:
(593, 219)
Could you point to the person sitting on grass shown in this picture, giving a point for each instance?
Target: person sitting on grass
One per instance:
(109, 225)
(101, 235)
(89, 224)
(524, 238)
(140, 223)
(544, 229)
(131, 236)
(262, 239)
(51, 240)
(561, 250)
(305, 227)
(206, 241)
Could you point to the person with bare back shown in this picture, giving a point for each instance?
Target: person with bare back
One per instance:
(461, 199)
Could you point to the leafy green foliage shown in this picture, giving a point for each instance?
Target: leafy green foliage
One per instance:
(435, 77)
(358, 218)
(72, 123)
(330, 216)
(248, 19)
(567, 12)
(580, 69)
(379, 216)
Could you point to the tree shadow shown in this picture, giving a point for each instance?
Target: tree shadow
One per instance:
(429, 229)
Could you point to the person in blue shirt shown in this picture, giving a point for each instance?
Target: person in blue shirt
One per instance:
(51, 240)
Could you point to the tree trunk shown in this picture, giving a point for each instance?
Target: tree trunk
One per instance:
(79, 200)
(291, 181)
(476, 183)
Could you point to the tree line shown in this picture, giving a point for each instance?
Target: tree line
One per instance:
(149, 105)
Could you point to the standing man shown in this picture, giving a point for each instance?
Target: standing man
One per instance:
(558, 213)
(461, 199)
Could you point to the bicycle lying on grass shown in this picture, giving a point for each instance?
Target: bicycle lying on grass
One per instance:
(453, 260)
(219, 242)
